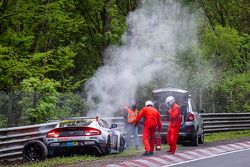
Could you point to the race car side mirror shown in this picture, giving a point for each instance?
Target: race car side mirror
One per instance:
(113, 126)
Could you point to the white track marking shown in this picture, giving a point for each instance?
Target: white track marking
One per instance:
(112, 165)
(226, 148)
(216, 149)
(185, 155)
(148, 163)
(160, 160)
(132, 164)
(194, 153)
(205, 152)
(206, 157)
(243, 144)
(172, 158)
(235, 146)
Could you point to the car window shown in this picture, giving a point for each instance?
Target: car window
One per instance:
(105, 124)
(160, 97)
(100, 123)
(193, 106)
(183, 109)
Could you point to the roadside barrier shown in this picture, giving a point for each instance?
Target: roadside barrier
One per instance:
(221, 122)
(13, 139)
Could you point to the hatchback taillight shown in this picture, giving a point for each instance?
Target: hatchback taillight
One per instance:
(190, 117)
(53, 134)
(91, 132)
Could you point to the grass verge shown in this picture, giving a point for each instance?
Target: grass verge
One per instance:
(227, 136)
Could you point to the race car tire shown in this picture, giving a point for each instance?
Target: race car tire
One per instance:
(108, 147)
(34, 150)
(122, 144)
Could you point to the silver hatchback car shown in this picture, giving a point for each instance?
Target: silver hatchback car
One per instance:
(192, 128)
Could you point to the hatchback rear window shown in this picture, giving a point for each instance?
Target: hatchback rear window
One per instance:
(180, 98)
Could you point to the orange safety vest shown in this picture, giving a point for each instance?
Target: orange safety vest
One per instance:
(131, 115)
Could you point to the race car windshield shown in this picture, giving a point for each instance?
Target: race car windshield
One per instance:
(75, 123)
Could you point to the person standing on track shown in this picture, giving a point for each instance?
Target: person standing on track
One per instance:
(152, 120)
(174, 124)
(130, 115)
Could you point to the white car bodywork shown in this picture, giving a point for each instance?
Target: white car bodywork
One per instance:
(84, 134)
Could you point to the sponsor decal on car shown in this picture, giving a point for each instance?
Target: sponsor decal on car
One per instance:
(93, 137)
(67, 138)
(102, 141)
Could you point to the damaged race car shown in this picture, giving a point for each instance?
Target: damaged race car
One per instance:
(76, 135)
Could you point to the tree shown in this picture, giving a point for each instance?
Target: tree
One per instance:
(35, 44)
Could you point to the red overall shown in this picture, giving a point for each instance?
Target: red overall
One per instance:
(152, 119)
(173, 127)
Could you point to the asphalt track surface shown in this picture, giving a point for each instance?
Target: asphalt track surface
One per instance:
(238, 158)
(225, 155)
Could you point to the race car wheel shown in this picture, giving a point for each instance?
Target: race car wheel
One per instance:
(122, 144)
(108, 146)
(34, 150)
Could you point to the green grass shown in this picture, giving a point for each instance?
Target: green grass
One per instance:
(78, 159)
(215, 137)
(227, 136)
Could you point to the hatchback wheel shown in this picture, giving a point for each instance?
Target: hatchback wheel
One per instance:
(194, 140)
(201, 138)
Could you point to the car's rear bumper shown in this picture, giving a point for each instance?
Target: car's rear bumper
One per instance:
(82, 146)
(187, 131)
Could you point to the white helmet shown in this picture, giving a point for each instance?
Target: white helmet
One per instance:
(148, 103)
(170, 100)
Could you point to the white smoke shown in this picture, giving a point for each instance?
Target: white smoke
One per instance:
(158, 30)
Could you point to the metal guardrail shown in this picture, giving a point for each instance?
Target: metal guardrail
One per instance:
(13, 139)
(221, 122)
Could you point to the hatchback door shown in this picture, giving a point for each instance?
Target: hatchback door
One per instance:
(197, 115)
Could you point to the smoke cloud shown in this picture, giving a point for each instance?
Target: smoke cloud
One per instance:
(158, 31)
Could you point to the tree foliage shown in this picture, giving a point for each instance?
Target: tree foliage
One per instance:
(225, 44)
(48, 48)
